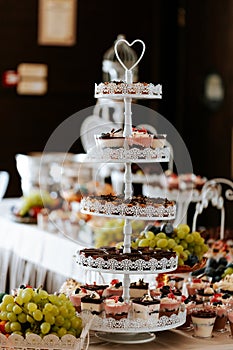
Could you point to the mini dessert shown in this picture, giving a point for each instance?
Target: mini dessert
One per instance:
(158, 141)
(69, 286)
(189, 306)
(169, 305)
(112, 139)
(116, 308)
(194, 285)
(205, 294)
(230, 318)
(221, 317)
(146, 307)
(98, 288)
(139, 206)
(140, 138)
(76, 296)
(225, 285)
(92, 302)
(115, 289)
(203, 322)
(138, 289)
(177, 280)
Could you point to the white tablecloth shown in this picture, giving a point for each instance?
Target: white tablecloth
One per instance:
(31, 255)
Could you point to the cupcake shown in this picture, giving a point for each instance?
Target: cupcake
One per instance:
(115, 288)
(116, 307)
(203, 322)
(146, 307)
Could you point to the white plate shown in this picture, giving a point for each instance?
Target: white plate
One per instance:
(126, 338)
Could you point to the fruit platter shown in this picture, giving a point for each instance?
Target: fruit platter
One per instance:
(34, 319)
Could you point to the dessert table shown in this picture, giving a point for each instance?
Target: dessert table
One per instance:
(171, 340)
(33, 256)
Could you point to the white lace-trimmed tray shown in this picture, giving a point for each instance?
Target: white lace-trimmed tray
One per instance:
(129, 155)
(48, 342)
(126, 325)
(148, 212)
(34, 341)
(122, 90)
(138, 266)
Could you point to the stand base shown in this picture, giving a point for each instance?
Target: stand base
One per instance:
(126, 338)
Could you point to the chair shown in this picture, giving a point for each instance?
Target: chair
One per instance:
(4, 180)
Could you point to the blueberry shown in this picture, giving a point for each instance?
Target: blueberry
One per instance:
(192, 260)
(167, 228)
(210, 271)
(223, 261)
(211, 262)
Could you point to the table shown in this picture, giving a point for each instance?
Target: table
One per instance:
(33, 256)
(171, 340)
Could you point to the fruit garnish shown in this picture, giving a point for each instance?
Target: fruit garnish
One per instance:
(114, 281)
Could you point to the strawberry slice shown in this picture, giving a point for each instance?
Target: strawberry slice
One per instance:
(114, 281)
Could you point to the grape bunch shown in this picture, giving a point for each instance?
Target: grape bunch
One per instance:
(37, 311)
(189, 246)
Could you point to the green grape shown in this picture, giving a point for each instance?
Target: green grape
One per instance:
(197, 249)
(15, 326)
(37, 315)
(45, 327)
(184, 256)
(8, 327)
(177, 240)
(67, 324)
(152, 243)
(10, 306)
(149, 235)
(62, 297)
(71, 331)
(61, 331)
(30, 319)
(181, 234)
(11, 317)
(3, 315)
(161, 235)
(63, 311)
(162, 243)
(17, 309)
(184, 244)
(22, 318)
(134, 245)
(43, 294)
(17, 332)
(171, 243)
(7, 299)
(47, 308)
(183, 227)
(178, 249)
(49, 318)
(55, 310)
(189, 238)
(59, 320)
(31, 307)
(144, 242)
(76, 322)
(26, 295)
(180, 262)
(3, 306)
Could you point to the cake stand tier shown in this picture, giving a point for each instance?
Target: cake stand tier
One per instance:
(123, 155)
(127, 325)
(127, 266)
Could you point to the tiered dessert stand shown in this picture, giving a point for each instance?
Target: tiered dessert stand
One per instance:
(125, 330)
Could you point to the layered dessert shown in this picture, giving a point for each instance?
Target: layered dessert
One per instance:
(92, 302)
(221, 317)
(112, 139)
(177, 281)
(139, 206)
(76, 296)
(158, 141)
(205, 294)
(115, 288)
(116, 307)
(230, 318)
(146, 307)
(140, 138)
(195, 285)
(203, 322)
(138, 289)
(169, 305)
(98, 288)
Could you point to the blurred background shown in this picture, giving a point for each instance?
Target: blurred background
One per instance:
(188, 50)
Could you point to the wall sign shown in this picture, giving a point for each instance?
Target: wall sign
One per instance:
(57, 22)
(32, 79)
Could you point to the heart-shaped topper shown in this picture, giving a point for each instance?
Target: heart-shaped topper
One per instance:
(127, 43)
